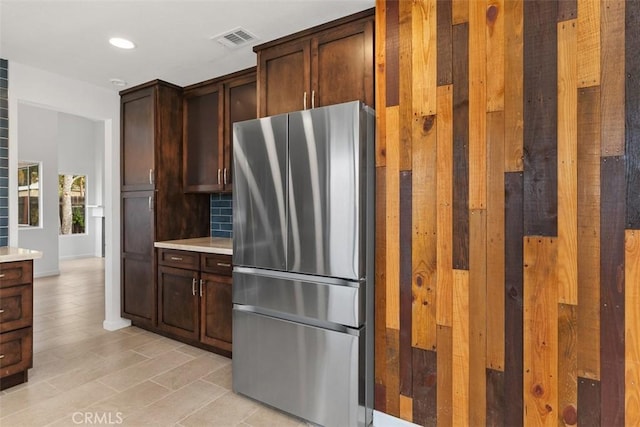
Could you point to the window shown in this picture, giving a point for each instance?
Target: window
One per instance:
(73, 207)
(28, 194)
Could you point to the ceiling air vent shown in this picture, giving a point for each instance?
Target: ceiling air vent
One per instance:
(235, 38)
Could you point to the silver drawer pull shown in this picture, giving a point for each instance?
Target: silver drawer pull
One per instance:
(1, 275)
(1, 310)
(176, 258)
(193, 287)
(1, 356)
(223, 264)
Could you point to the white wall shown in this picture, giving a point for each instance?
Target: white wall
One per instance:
(39, 144)
(77, 155)
(30, 85)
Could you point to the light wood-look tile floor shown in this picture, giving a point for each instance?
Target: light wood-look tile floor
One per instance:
(85, 375)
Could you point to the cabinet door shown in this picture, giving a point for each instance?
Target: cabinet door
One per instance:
(240, 105)
(178, 301)
(342, 64)
(203, 158)
(137, 140)
(215, 311)
(138, 290)
(284, 77)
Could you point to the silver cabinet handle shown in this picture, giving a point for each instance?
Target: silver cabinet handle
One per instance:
(1, 275)
(313, 99)
(218, 176)
(150, 203)
(223, 264)
(1, 356)
(151, 176)
(176, 258)
(193, 287)
(305, 100)
(201, 283)
(225, 176)
(1, 310)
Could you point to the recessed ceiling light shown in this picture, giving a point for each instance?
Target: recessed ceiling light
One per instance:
(118, 82)
(122, 43)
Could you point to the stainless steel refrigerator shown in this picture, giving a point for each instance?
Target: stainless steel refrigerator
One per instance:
(303, 255)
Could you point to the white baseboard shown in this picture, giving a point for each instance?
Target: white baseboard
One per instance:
(380, 419)
(114, 325)
(46, 273)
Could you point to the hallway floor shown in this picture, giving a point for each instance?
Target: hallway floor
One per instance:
(85, 375)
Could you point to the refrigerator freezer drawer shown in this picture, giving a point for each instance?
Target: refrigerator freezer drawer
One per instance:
(303, 296)
(310, 372)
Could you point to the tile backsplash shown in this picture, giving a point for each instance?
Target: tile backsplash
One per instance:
(221, 215)
(4, 152)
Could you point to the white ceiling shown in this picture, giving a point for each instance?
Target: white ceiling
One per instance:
(173, 37)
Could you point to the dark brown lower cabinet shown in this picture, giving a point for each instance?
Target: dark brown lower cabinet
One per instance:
(194, 298)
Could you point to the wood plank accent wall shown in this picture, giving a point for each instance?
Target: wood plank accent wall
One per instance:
(508, 212)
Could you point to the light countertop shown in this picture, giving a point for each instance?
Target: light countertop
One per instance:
(10, 253)
(212, 245)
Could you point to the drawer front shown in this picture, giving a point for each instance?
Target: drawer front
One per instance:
(179, 259)
(16, 273)
(299, 368)
(216, 264)
(15, 351)
(16, 307)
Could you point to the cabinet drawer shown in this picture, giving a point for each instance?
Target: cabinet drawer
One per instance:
(15, 351)
(217, 264)
(179, 259)
(16, 307)
(16, 273)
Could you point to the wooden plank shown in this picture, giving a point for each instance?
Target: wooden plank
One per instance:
(393, 374)
(424, 61)
(381, 294)
(461, 147)
(589, 232)
(588, 52)
(495, 398)
(513, 85)
(567, 164)
(444, 36)
(406, 83)
(444, 201)
(477, 316)
(612, 78)
(567, 9)
(381, 80)
(460, 349)
(612, 216)
(588, 402)
(495, 60)
(460, 11)
(478, 105)
(406, 297)
(424, 230)
(392, 51)
(567, 364)
(632, 327)
(632, 108)
(424, 387)
(513, 369)
(495, 241)
(540, 118)
(540, 331)
(392, 221)
(406, 408)
(444, 393)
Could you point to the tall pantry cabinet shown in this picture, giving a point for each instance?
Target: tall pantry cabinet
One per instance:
(153, 204)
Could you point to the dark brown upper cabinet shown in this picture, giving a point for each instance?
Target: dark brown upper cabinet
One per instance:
(324, 65)
(210, 109)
